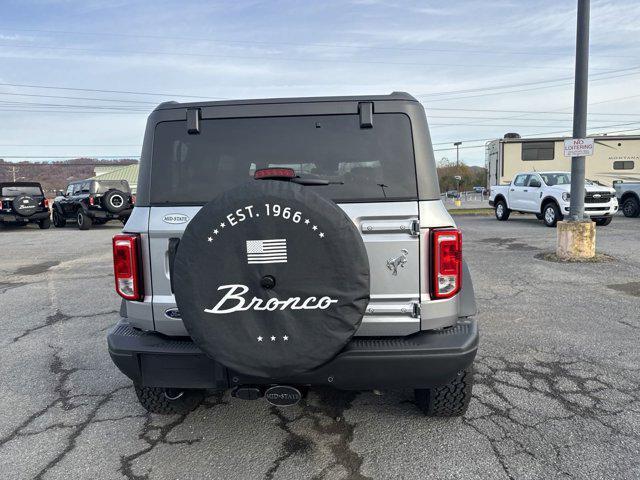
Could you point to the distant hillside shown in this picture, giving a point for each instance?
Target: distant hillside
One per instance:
(54, 175)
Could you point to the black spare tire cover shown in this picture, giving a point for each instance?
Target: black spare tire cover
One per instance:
(25, 205)
(115, 201)
(271, 279)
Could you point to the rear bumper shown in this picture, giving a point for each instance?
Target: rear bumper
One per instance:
(36, 217)
(104, 214)
(422, 360)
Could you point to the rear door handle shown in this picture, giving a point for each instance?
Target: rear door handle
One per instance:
(512, 190)
(525, 190)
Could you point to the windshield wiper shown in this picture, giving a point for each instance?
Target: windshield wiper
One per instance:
(313, 181)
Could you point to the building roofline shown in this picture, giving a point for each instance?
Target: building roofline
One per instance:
(557, 139)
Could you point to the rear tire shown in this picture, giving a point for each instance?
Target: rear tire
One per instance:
(45, 223)
(58, 220)
(169, 401)
(84, 222)
(450, 400)
(551, 214)
(631, 207)
(603, 222)
(502, 212)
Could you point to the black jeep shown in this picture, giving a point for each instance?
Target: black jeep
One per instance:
(22, 203)
(93, 202)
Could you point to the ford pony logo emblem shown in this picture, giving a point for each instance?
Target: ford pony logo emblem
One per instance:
(175, 218)
(596, 195)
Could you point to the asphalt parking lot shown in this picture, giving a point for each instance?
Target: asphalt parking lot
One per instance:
(556, 391)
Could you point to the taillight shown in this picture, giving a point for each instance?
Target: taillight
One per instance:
(92, 201)
(133, 199)
(274, 173)
(45, 203)
(126, 266)
(446, 262)
(1, 206)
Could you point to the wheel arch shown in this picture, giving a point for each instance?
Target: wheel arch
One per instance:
(627, 195)
(548, 199)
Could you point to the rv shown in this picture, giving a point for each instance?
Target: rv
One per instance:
(615, 158)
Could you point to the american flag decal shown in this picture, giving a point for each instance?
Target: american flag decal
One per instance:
(267, 251)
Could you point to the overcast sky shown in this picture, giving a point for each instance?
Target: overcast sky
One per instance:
(480, 68)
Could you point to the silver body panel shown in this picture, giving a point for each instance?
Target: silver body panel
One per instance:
(400, 304)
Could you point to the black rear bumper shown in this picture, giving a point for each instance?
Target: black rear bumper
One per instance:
(12, 217)
(422, 360)
(106, 215)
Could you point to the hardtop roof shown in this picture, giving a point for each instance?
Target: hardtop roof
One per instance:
(20, 184)
(395, 96)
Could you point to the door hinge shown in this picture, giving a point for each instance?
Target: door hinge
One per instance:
(416, 310)
(415, 228)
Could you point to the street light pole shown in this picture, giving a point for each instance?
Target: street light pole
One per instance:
(457, 145)
(576, 205)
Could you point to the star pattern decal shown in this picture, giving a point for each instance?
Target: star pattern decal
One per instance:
(259, 339)
(307, 221)
(215, 231)
(222, 225)
(321, 235)
(209, 239)
(285, 338)
(314, 228)
(273, 338)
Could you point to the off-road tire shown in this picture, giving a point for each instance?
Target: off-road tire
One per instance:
(58, 220)
(551, 220)
(450, 400)
(159, 400)
(84, 221)
(115, 201)
(631, 207)
(45, 223)
(502, 212)
(603, 222)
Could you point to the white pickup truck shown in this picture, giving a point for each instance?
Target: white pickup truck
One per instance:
(547, 194)
(628, 194)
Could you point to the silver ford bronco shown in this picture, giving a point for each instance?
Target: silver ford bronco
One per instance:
(282, 244)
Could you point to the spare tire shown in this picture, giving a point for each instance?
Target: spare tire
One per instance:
(271, 279)
(25, 206)
(115, 201)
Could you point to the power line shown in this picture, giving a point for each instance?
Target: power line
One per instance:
(78, 98)
(521, 111)
(522, 84)
(323, 45)
(156, 94)
(281, 59)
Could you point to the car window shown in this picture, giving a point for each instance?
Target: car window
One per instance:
(15, 190)
(362, 164)
(84, 188)
(552, 179)
(70, 189)
(533, 179)
(521, 180)
(77, 188)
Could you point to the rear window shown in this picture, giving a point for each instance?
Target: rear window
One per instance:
(103, 186)
(20, 190)
(372, 164)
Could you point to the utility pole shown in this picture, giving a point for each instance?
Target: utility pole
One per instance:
(577, 236)
(13, 170)
(457, 145)
(576, 205)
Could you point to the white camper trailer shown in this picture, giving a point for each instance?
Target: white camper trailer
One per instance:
(614, 158)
